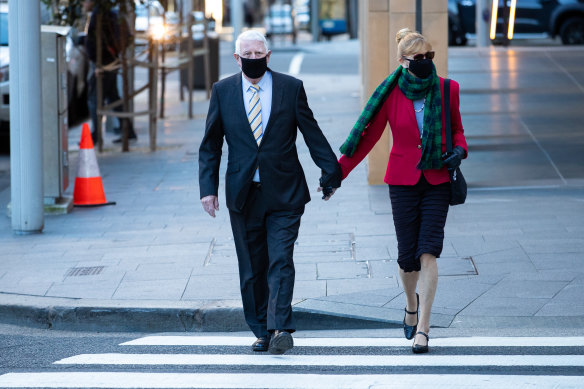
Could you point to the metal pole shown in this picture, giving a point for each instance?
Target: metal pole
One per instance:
(26, 136)
(207, 60)
(162, 68)
(314, 17)
(353, 10)
(191, 64)
(505, 23)
(419, 16)
(236, 18)
(185, 14)
(187, 9)
(482, 27)
(153, 91)
(99, 79)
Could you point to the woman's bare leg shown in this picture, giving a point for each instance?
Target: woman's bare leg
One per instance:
(409, 282)
(427, 290)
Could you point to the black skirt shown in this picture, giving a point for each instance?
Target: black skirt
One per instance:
(419, 216)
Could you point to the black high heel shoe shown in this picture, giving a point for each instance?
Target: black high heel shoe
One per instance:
(409, 331)
(418, 349)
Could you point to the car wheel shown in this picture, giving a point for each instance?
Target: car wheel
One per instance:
(572, 31)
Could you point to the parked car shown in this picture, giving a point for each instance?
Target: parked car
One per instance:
(456, 34)
(279, 21)
(148, 15)
(4, 77)
(198, 27)
(302, 14)
(77, 68)
(563, 18)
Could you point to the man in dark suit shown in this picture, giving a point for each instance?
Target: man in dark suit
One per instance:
(259, 112)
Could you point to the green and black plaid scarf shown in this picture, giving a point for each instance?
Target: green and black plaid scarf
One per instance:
(413, 88)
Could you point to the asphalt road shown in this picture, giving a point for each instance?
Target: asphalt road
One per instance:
(335, 57)
(28, 352)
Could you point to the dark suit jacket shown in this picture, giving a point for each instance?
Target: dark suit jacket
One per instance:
(282, 177)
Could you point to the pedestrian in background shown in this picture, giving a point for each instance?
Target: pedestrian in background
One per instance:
(259, 112)
(248, 14)
(112, 38)
(411, 100)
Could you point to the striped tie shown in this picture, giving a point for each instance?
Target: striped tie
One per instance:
(255, 114)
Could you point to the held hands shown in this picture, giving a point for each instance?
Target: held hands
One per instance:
(453, 160)
(327, 190)
(210, 204)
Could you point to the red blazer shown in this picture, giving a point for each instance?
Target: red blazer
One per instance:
(407, 145)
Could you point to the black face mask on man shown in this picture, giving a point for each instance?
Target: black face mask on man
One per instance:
(254, 68)
(421, 68)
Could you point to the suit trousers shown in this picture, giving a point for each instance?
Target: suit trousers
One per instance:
(264, 242)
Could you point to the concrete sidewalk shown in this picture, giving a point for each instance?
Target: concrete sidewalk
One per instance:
(513, 255)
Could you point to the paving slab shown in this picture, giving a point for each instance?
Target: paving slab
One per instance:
(513, 254)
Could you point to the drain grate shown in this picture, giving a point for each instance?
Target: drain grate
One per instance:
(84, 271)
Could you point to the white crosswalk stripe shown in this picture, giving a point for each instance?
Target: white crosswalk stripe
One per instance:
(324, 360)
(217, 369)
(280, 381)
(185, 340)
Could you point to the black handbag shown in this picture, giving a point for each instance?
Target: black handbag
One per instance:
(457, 181)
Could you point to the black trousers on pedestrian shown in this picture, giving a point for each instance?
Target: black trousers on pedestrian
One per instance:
(264, 242)
(110, 95)
(419, 215)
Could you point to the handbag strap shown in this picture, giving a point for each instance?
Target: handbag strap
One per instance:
(448, 129)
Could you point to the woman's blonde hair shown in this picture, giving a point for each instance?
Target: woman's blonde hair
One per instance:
(410, 42)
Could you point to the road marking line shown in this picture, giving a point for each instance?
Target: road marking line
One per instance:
(296, 64)
(323, 360)
(566, 72)
(363, 342)
(279, 381)
(511, 188)
(545, 153)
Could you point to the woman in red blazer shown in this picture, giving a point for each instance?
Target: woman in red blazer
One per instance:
(410, 99)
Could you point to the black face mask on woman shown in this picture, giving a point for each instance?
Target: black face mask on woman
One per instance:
(421, 68)
(254, 68)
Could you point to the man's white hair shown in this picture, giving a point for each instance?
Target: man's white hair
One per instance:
(250, 35)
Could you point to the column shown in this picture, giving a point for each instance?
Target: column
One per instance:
(380, 20)
(26, 136)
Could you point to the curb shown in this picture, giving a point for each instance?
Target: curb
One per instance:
(154, 316)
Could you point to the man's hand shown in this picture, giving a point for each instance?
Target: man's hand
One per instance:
(210, 204)
(327, 192)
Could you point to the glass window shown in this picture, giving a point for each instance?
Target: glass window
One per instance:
(3, 29)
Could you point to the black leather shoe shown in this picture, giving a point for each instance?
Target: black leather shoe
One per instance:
(418, 349)
(261, 344)
(280, 342)
(409, 331)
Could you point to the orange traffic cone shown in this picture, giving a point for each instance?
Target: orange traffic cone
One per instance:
(88, 186)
